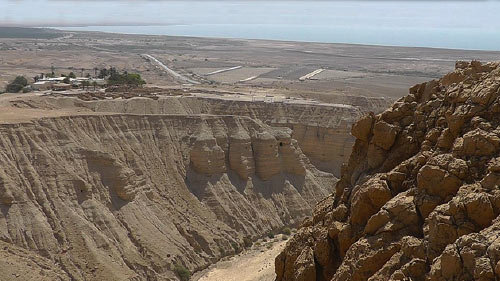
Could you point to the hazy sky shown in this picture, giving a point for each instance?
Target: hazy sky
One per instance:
(473, 14)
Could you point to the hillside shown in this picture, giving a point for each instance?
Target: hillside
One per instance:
(321, 130)
(419, 197)
(129, 197)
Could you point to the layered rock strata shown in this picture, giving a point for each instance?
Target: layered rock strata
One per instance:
(322, 130)
(419, 198)
(129, 197)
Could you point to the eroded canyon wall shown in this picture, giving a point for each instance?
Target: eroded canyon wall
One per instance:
(322, 130)
(128, 197)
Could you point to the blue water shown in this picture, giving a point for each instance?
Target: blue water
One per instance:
(445, 24)
(452, 38)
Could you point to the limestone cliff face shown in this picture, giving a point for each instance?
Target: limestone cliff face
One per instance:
(128, 197)
(419, 198)
(241, 155)
(326, 146)
(206, 156)
(267, 162)
(268, 153)
(322, 131)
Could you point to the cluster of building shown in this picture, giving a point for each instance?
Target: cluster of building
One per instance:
(58, 83)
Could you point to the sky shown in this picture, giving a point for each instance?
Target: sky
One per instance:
(162, 12)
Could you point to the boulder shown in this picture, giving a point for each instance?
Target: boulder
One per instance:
(384, 134)
(363, 128)
(477, 143)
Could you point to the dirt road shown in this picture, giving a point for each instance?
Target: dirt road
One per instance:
(255, 264)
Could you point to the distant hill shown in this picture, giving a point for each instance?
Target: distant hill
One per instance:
(27, 32)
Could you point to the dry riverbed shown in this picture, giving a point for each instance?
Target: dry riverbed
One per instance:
(254, 264)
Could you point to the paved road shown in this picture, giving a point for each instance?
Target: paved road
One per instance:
(170, 71)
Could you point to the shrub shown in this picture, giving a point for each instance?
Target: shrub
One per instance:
(236, 247)
(13, 88)
(247, 242)
(183, 273)
(286, 231)
(270, 235)
(284, 237)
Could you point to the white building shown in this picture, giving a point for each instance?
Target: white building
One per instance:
(42, 85)
(52, 79)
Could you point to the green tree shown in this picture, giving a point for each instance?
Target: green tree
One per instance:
(103, 73)
(21, 81)
(13, 88)
(72, 75)
(16, 85)
(125, 78)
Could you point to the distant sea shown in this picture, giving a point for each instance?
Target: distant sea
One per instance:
(438, 24)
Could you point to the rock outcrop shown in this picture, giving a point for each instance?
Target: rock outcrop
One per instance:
(419, 198)
(268, 153)
(207, 157)
(129, 197)
(241, 159)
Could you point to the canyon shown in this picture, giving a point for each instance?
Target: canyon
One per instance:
(94, 196)
(140, 184)
(322, 130)
(131, 189)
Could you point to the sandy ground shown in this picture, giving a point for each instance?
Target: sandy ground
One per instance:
(255, 264)
(355, 70)
(13, 109)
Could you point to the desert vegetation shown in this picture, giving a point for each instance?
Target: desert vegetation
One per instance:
(182, 272)
(16, 85)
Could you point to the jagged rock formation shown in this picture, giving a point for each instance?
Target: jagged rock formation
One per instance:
(270, 153)
(419, 198)
(128, 197)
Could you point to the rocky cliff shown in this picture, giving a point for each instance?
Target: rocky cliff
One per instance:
(129, 197)
(419, 198)
(322, 130)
